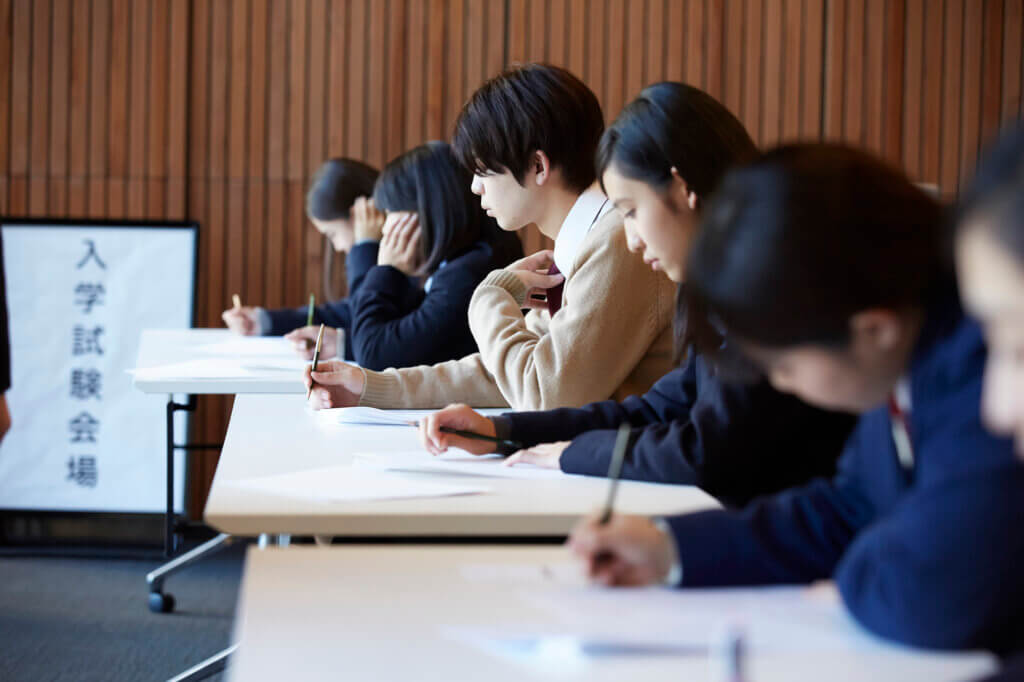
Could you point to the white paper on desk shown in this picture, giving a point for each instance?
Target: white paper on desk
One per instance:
(213, 369)
(346, 484)
(454, 462)
(563, 650)
(267, 346)
(371, 416)
(523, 574)
(774, 619)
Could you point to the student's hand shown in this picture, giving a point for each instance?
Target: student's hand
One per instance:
(532, 272)
(546, 455)
(628, 550)
(335, 384)
(367, 221)
(304, 341)
(457, 417)
(400, 245)
(244, 320)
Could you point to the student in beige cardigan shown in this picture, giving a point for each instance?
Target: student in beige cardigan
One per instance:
(610, 338)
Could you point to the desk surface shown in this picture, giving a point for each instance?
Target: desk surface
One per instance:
(268, 367)
(396, 613)
(271, 434)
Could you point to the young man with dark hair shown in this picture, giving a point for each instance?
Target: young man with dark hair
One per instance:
(603, 327)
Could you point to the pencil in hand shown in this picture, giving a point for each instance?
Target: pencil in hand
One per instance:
(316, 358)
(309, 316)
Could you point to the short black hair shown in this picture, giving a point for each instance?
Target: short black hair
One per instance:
(428, 181)
(525, 109)
(793, 245)
(995, 196)
(335, 187)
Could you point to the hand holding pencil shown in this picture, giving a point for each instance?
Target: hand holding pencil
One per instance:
(239, 319)
(620, 549)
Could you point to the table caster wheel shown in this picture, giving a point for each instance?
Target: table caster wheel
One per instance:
(161, 603)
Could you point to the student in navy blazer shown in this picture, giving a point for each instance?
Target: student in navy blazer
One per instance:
(437, 245)
(990, 261)
(339, 207)
(831, 272)
(657, 162)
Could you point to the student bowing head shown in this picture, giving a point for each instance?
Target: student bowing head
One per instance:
(660, 160)
(819, 262)
(340, 188)
(990, 263)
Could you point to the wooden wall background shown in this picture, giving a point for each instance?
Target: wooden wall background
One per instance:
(220, 110)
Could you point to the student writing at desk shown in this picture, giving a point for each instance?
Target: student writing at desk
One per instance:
(435, 233)
(659, 162)
(530, 135)
(990, 261)
(337, 205)
(832, 272)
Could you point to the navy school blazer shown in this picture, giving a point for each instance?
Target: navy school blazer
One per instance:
(930, 555)
(736, 441)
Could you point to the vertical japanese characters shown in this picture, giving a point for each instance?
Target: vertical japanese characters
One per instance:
(86, 380)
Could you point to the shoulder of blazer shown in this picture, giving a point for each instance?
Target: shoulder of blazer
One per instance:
(606, 237)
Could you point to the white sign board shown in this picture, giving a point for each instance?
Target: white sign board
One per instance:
(78, 296)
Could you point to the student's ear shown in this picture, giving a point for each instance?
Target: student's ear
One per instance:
(681, 190)
(541, 166)
(877, 328)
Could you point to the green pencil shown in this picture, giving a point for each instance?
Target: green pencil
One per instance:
(309, 313)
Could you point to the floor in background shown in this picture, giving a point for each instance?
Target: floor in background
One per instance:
(87, 619)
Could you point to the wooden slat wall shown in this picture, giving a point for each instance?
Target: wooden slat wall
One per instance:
(220, 110)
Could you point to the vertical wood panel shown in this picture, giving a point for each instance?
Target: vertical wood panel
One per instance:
(435, 69)
(874, 76)
(376, 91)
(138, 107)
(971, 109)
(734, 57)
(696, 36)
(771, 112)
(40, 113)
(713, 66)
(337, 83)
(931, 131)
(853, 76)
(355, 104)
(895, 25)
(5, 90)
(219, 110)
(1013, 25)
(991, 90)
(812, 61)
(21, 66)
(752, 64)
(59, 84)
(952, 91)
(416, 68)
(78, 110)
(792, 56)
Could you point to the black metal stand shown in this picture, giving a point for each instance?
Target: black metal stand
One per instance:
(159, 602)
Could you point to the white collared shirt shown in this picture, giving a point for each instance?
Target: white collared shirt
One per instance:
(584, 214)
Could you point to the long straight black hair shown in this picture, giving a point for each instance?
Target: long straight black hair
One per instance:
(430, 182)
(792, 246)
(674, 125)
